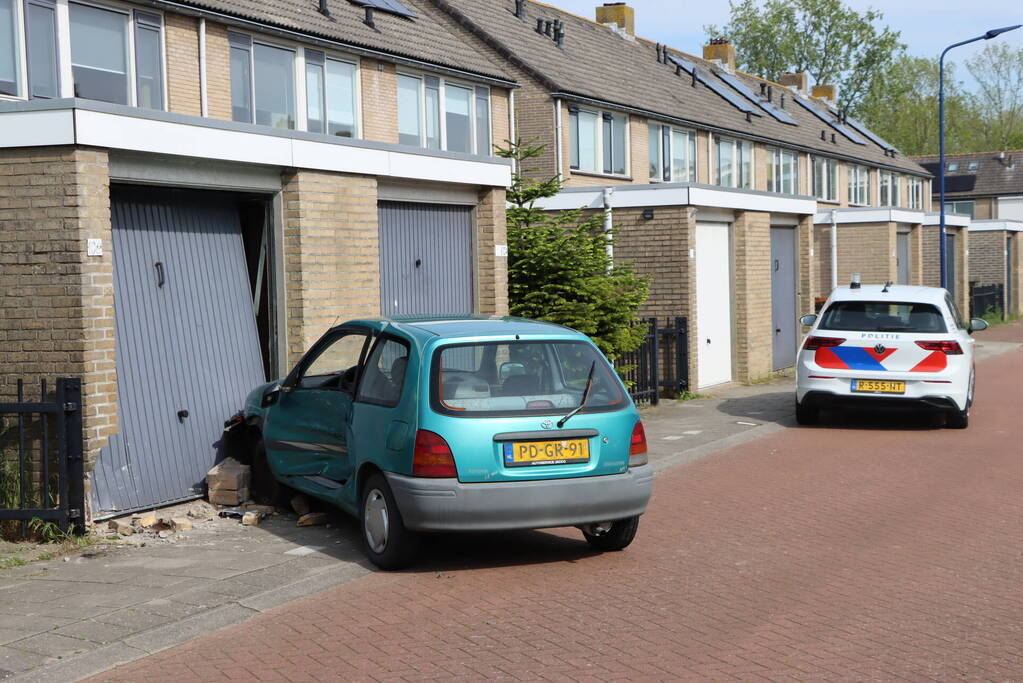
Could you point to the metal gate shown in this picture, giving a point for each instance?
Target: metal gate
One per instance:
(783, 296)
(426, 259)
(41, 457)
(187, 346)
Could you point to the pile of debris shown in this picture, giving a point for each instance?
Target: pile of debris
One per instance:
(229, 484)
(149, 521)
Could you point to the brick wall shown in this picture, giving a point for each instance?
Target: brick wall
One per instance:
(331, 253)
(987, 257)
(639, 148)
(56, 304)
(218, 71)
(491, 270)
(379, 101)
(500, 130)
(865, 248)
(808, 278)
(702, 162)
(753, 334)
(931, 261)
(1015, 246)
(182, 49)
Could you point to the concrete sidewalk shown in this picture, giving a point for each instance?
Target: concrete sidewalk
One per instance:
(67, 618)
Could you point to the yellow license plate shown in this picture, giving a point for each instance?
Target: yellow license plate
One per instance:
(878, 386)
(527, 453)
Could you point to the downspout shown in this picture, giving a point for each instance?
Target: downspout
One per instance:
(834, 251)
(557, 133)
(609, 225)
(511, 126)
(204, 106)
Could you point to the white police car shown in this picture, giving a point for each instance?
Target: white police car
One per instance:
(887, 346)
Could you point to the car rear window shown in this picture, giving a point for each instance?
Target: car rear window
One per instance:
(522, 378)
(882, 316)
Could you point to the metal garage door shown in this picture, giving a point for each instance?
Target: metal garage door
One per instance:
(902, 257)
(426, 260)
(713, 304)
(783, 296)
(187, 346)
(950, 263)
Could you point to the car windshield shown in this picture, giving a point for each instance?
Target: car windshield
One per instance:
(882, 316)
(522, 378)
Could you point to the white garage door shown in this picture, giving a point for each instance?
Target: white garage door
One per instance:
(713, 304)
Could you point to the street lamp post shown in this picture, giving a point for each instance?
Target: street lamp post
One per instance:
(941, 139)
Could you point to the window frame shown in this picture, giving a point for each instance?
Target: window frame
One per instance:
(888, 189)
(297, 75)
(915, 187)
(364, 363)
(666, 158)
(776, 170)
(293, 382)
(329, 56)
(860, 184)
(951, 204)
(476, 94)
(829, 177)
(602, 116)
(745, 180)
(20, 44)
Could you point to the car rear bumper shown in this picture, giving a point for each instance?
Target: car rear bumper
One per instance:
(450, 505)
(824, 399)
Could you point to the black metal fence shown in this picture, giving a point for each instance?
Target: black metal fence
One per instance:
(986, 299)
(41, 458)
(661, 364)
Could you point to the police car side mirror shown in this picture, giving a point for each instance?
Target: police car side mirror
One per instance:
(808, 319)
(978, 324)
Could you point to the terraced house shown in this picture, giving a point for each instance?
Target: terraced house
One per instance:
(191, 192)
(724, 188)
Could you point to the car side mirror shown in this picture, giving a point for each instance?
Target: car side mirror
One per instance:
(270, 396)
(808, 319)
(978, 324)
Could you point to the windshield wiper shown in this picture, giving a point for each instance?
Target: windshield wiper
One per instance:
(582, 401)
(892, 328)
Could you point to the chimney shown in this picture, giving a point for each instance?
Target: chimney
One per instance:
(800, 81)
(825, 92)
(620, 15)
(520, 9)
(721, 51)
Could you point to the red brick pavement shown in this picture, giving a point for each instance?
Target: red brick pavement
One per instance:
(858, 551)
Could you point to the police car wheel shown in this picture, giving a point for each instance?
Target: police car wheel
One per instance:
(807, 415)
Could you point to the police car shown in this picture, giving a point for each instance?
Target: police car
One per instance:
(887, 346)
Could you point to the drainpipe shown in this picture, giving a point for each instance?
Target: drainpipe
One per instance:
(511, 125)
(609, 224)
(834, 251)
(204, 106)
(557, 133)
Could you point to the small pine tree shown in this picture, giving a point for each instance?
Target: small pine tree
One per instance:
(559, 268)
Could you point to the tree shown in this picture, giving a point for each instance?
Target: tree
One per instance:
(559, 268)
(998, 70)
(835, 45)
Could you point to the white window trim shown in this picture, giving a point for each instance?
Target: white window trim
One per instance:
(20, 54)
(298, 75)
(865, 184)
(830, 181)
(302, 102)
(442, 122)
(775, 166)
(599, 142)
(666, 158)
(736, 161)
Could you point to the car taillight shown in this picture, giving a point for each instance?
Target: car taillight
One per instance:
(637, 446)
(949, 348)
(432, 456)
(814, 343)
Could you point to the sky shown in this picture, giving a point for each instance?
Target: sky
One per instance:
(927, 26)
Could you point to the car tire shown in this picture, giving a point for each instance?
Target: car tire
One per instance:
(807, 415)
(388, 544)
(961, 419)
(618, 537)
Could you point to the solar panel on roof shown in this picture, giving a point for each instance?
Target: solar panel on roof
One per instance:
(392, 6)
(725, 93)
(856, 125)
(747, 92)
(843, 129)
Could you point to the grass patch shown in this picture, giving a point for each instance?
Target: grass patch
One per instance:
(12, 561)
(994, 318)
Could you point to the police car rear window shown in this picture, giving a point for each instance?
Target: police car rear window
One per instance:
(882, 316)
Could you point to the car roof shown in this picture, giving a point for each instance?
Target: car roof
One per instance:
(908, 293)
(467, 326)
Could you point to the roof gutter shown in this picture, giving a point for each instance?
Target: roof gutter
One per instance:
(717, 129)
(252, 25)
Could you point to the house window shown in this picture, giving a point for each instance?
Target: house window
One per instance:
(973, 166)
(859, 184)
(10, 68)
(439, 114)
(889, 189)
(734, 166)
(41, 38)
(262, 83)
(952, 166)
(782, 171)
(596, 141)
(672, 154)
(916, 193)
(148, 60)
(99, 53)
(330, 95)
(961, 207)
(825, 179)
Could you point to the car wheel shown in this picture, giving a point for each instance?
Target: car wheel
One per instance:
(388, 544)
(807, 415)
(616, 537)
(959, 419)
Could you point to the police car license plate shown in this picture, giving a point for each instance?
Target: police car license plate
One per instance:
(526, 453)
(878, 386)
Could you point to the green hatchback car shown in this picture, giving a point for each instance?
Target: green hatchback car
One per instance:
(471, 424)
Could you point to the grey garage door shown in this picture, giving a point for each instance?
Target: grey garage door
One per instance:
(426, 259)
(187, 346)
(783, 296)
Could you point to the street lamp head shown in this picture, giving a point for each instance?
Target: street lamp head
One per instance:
(999, 31)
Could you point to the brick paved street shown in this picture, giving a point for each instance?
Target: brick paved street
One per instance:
(873, 549)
